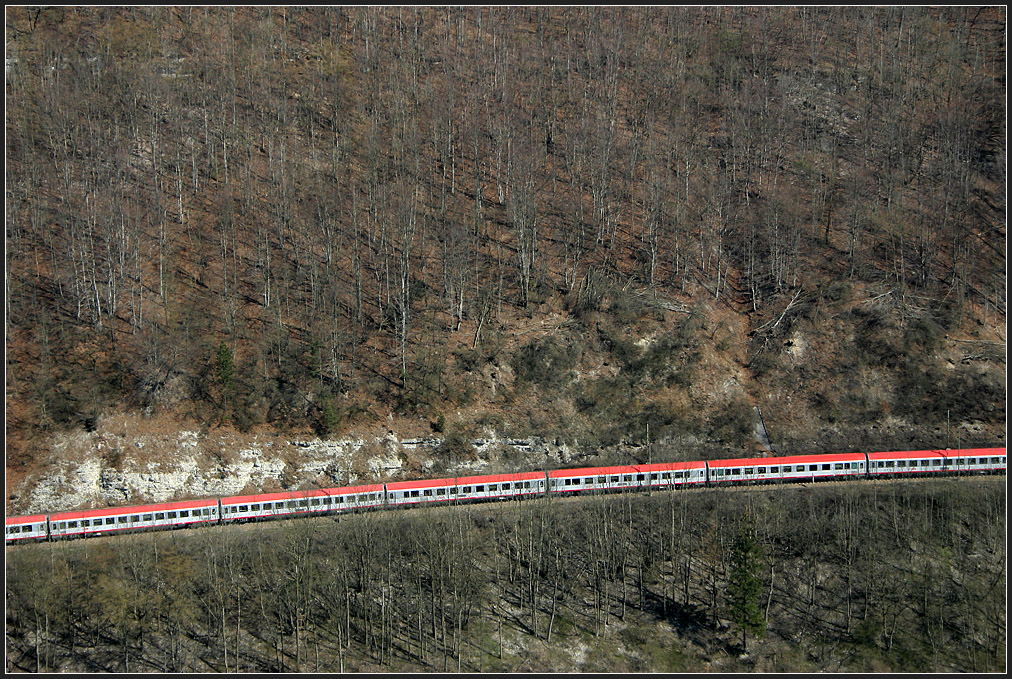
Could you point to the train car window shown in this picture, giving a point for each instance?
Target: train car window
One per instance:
(414, 493)
(121, 519)
(467, 489)
(774, 470)
(936, 463)
(973, 460)
(568, 482)
(627, 477)
(63, 524)
(901, 463)
(913, 463)
(639, 477)
(679, 475)
(427, 493)
(505, 486)
(749, 470)
(493, 486)
(453, 491)
(762, 470)
(666, 475)
(172, 515)
(890, 464)
(72, 524)
(813, 467)
(440, 491)
(147, 517)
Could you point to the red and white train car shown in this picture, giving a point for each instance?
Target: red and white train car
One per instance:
(793, 468)
(976, 459)
(22, 528)
(936, 461)
(316, 501)
(465, 488)
(115, 519)
(563, 481)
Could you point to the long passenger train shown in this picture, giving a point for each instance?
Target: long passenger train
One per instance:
(672, 475)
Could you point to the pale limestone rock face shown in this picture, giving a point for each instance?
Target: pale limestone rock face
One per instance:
(113, 467)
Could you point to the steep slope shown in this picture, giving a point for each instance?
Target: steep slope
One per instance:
(582, 224)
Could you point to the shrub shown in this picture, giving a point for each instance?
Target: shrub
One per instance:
(546, 361)
(733, 423)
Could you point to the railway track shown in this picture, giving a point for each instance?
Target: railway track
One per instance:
(679, 477)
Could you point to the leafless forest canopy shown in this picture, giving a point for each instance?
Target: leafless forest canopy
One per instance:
(314, 217)
(898, 576)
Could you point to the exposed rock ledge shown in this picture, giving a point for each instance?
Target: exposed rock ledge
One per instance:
(102, 468)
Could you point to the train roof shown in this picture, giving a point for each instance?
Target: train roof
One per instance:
(974, 452)
(17, 520)
(118, 511)
(302, 494)
(792, 459)
(461, 480)
(950, 452)
(625, 469)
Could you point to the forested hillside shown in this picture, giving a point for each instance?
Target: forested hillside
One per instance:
(582, 223)
(863, 576)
